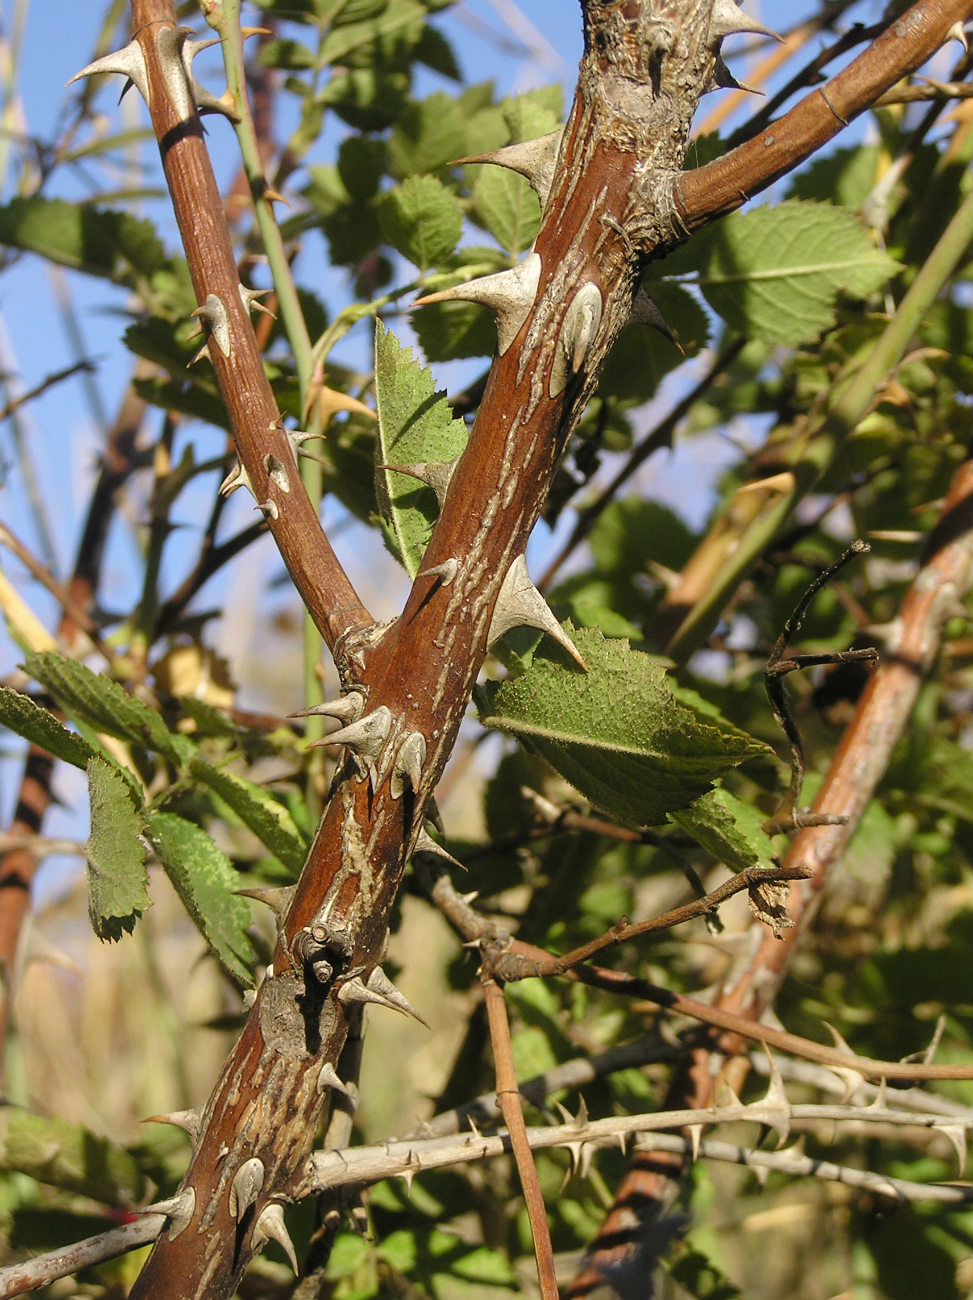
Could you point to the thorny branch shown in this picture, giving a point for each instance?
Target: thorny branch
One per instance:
(611, 198)
(362, 1166)
(943, 579)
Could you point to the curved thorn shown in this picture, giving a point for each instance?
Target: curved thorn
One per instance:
(278, 899)
(237, 477)
(380, 983)
(509, 294)
(446, 571)
(426, 844)
(345, 710)
(365, 739)
(723, 79)
(128, 62)
(407, 768)
(727, 20)
(328, 1078)
(190, 1121)
(520, 604)
(178, 1210)
(578, 330)
(434, 473)
(251, 300)
(533, 159)
(645, 312)
(245, 1187)
(269, 509)
(270, 1226)
(355, 991)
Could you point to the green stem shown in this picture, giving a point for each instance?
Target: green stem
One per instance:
(809, 456)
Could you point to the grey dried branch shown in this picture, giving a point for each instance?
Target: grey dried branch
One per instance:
(359, 1167)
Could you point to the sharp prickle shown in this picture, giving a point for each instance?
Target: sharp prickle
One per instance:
(533, 159)
(520, 604)
(245, 1187)
(270, 1226)
(407, 768)
(509, 294)
(128, 62)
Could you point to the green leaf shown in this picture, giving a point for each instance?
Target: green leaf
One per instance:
(101, 242)
(429, 134)
(775, 273)
(204, 878)
(416, 424)
(507, 207)
(401, 20)
(452, 331)
(845, 177)
(728, 828)
(103, 704)
(422, 220)
(259, 811)
(36, 724)
(617, 732)
(68, 1156)
(118, 891)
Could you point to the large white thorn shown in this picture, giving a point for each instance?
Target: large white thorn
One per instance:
(509, 294)
(407, 768)
(578, 330)
(520, 604)
(533, 159)
(727, 20)
(270, 1226)
(245, 1187)
(346, 710)
(365, 739)
(129, 63)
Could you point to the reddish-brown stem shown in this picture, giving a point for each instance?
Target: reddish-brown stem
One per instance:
(730, 181)
(255, 417)
(623, 931)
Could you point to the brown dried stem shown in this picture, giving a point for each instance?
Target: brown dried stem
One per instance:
(511, 1107)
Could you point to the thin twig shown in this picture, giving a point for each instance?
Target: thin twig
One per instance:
(511, 1108)
(520, 961)
(704, 906)
(787, 815)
